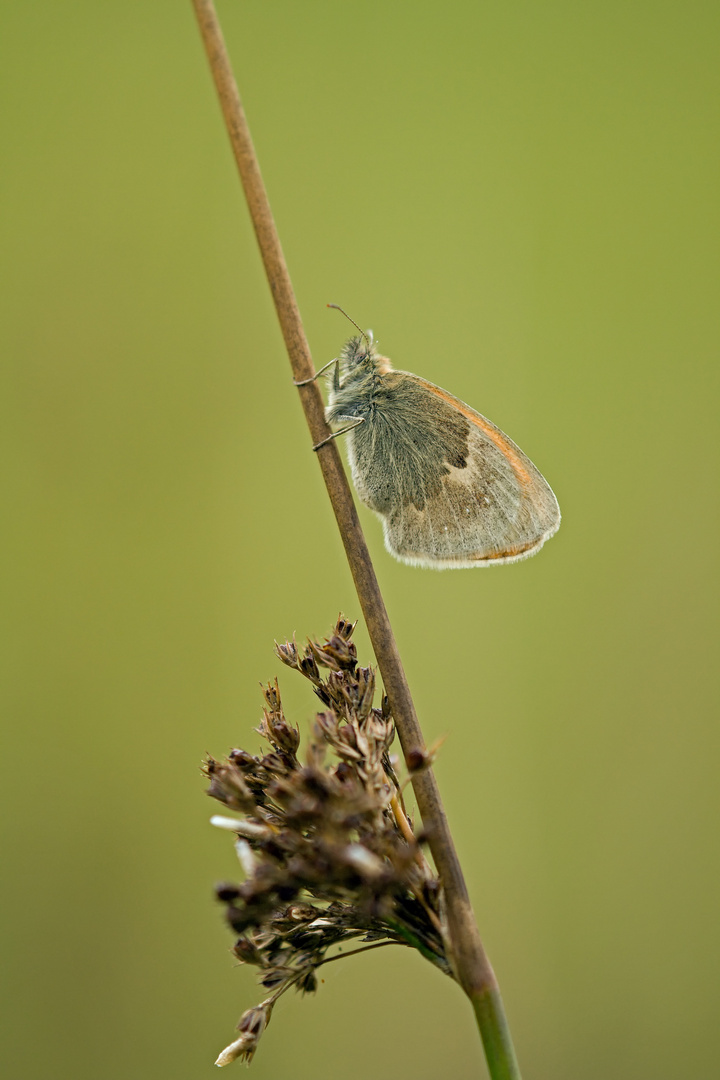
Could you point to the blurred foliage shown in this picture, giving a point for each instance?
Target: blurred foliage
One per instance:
(521, 200)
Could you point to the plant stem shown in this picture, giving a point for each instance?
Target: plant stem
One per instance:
(467, 955)
(361, 948)
(497, 1041)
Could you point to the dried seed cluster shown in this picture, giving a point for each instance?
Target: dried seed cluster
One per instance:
(328, 852)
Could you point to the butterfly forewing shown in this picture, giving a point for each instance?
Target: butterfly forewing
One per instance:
(451, 488)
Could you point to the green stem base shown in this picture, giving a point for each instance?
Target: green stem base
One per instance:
(495, 1034)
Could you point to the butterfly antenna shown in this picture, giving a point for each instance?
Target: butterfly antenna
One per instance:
(343, 312)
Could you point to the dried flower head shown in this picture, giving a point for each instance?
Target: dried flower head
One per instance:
(327, 851)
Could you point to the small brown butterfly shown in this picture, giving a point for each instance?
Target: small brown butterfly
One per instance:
(451, 489)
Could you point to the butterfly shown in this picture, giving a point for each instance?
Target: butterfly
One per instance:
(451, 489)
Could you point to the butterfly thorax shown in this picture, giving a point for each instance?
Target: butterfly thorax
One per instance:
(408, 438)
(360, 382)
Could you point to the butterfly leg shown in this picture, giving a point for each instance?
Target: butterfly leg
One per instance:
(356, 421)
(336, 379)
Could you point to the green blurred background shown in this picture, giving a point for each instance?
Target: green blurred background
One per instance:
(521, 200)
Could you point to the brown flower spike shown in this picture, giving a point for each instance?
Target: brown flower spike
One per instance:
(328, 853)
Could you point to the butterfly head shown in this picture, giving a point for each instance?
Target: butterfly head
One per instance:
(360, 359)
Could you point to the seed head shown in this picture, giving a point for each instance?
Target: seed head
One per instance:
(326, 848)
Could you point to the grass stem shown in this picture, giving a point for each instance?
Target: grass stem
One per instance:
(470, 963)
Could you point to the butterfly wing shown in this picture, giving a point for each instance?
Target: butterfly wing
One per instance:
(455, 490)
